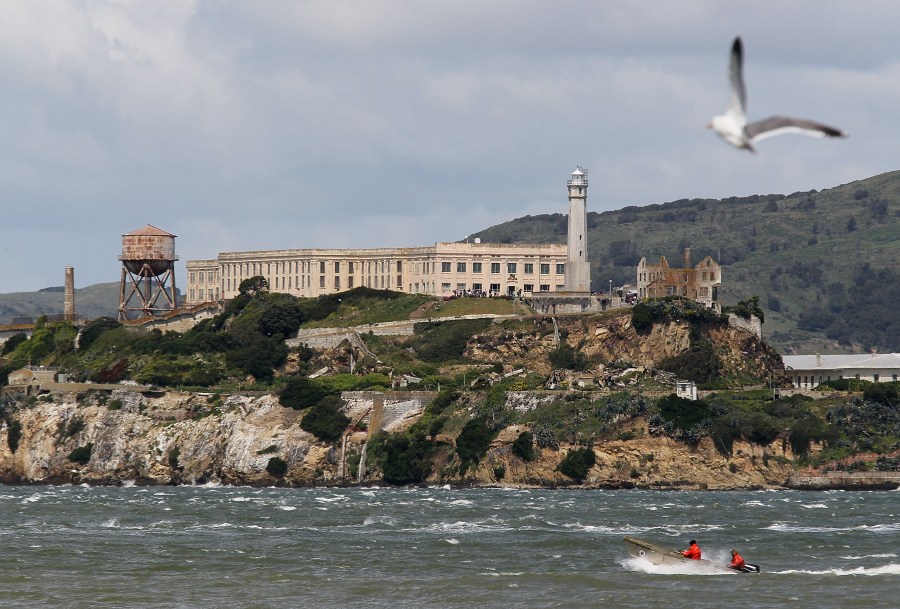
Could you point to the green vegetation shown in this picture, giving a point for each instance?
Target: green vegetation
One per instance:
(81, 455)
(523, 447)
(277, 467)
(473, 442)
(578, 463)
(325, 419)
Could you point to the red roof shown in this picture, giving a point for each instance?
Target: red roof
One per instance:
(149, 231)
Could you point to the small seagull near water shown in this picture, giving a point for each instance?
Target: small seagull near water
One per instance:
(733, 127)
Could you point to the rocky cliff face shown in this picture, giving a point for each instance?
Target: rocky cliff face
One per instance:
(179, 438)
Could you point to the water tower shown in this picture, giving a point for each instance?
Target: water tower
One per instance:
(148, 273)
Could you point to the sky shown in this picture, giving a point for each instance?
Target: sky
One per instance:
(265, 124)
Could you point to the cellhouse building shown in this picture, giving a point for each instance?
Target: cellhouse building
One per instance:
(473, 268)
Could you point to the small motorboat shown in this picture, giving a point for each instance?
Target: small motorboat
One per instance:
(661, 555)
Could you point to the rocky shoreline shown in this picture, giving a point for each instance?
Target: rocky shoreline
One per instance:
(184, 438)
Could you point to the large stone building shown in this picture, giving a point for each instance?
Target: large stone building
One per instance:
(807, 371)
(700, 283)
(439, 270)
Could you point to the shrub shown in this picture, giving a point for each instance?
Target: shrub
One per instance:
(499, 472)
(577, 463)
(173, 457)
(683, 413)
(81, 455)
(641, 317)
(567, 358)
(12, 342)
(405, 458)
(268, 450)
(13, 435)
(444, 341)
(277, 467)
(523, 447)
(325, 420)
(299, 392)
(473, 442)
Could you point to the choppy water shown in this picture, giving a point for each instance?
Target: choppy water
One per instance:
(222, 547)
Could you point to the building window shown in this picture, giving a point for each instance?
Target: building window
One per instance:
(445, 267)
(495, 267)
(350, 267)
(560, 269)
(476, 287)
(322, 266)
(528, 288)
(511, 268)
(399, 266)
(337, 266)
(529, 268)
(350, 282)
(545, 270)
(560, 288)
(495, 289)
(321, 281)
(876, 378)
(545, 287)
(192, 280)
(192, 299)
(399, 281)
(476, 267)
(445, 287)
(460, 267)
(460, 287)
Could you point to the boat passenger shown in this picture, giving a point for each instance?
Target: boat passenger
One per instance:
(693, 552)
(736, 561)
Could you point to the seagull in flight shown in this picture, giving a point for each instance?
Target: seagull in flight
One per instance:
(733, 127)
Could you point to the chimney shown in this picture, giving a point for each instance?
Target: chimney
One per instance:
(687, 258)
(69, 298)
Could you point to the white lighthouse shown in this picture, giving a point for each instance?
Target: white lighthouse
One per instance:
(578, 269)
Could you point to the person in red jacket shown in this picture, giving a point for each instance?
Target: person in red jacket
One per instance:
(693, 552)
(736, 561)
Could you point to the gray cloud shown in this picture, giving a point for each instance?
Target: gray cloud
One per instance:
(257, 125)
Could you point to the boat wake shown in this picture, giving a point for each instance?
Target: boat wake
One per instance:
(687, 568)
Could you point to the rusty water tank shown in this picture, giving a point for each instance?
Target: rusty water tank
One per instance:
(148, 251)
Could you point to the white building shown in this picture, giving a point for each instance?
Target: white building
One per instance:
(807, 371)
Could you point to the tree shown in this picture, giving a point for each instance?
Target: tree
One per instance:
(578, 463)
(473, 442)
(325, 419)
(299, 392)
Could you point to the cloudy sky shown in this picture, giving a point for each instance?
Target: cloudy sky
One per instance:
(244, 125)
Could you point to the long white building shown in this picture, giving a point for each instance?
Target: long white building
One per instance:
(442, 269)
(807, 371)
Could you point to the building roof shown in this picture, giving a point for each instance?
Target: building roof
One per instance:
(842, 361)
(149, 231)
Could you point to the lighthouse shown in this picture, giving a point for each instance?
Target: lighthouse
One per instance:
(578, 269)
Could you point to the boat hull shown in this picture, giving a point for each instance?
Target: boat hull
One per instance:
(661, 555)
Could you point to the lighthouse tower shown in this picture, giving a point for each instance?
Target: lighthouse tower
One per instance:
(578, 269)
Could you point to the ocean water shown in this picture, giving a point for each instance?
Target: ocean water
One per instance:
(223, 547)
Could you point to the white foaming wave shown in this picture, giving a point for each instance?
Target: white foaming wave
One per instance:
(128, 484)
(286, 508)
(888, 555)
(503, 573)
(592, 528)
(461, 526)
(891, 569)
(452, 541)
(462, 502)
(241, 499)
(332, 499)
(815, 506)
(370, 520)
(645, 566)
(112, 523)
(877, 528)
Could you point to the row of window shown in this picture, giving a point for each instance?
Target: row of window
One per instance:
(511, 268)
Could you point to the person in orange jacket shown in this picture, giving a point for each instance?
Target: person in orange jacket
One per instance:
(736, 561)
(693, 552)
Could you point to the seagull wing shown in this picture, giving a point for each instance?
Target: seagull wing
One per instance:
(738, 106)
(777, 125)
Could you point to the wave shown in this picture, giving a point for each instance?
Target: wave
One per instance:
(876, 528)
(888, 555)
(891, 569)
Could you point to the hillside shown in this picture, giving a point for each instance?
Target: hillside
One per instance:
(91, 302)
(824, 264)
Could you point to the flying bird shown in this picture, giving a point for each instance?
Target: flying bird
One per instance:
(733, 127)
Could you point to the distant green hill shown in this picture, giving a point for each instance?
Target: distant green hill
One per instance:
(91, 302)
(826, 265)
